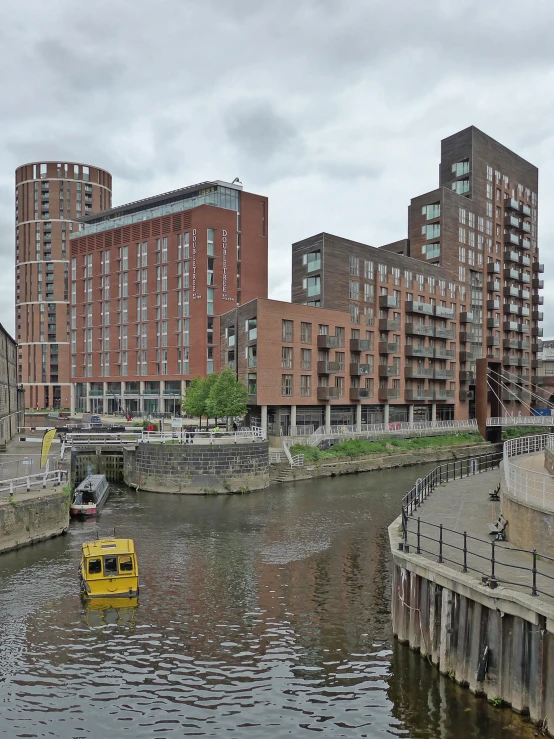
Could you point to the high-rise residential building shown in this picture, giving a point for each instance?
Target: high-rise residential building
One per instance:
(49, 198)
(148, 281)
(480, 226)
(393, 333)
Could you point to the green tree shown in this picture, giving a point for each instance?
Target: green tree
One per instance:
(227, 397)
(195, 400)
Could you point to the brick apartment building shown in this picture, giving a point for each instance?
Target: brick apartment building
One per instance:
(149, 281)
(410, 318)
(12, 395)
(388, 350)
(49, 198)
(480, 225)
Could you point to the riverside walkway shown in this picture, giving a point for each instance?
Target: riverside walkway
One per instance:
(463, 505)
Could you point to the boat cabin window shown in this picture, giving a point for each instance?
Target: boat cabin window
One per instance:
(125, 564)
(94, 566)
(110, 565)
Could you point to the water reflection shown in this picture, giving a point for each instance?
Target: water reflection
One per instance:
(263, 615)
(110, 611)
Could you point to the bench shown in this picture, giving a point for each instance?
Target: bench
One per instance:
(498, 529)
(495, 494)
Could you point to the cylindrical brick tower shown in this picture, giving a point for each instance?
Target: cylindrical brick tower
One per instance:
(49, 197)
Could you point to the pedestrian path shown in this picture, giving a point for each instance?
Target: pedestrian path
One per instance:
(464, 506)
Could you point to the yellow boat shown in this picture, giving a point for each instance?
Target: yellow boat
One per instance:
(109, 569)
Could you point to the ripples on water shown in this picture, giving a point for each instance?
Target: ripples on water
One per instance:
(264, 615)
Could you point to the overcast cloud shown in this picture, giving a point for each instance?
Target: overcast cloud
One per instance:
(334, 109)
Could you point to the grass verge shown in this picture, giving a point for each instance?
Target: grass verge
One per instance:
(362, 447)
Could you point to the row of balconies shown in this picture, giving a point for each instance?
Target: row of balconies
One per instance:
(387, 370)
(515, 361)
(386, 393)
(513, 205)
(516, 258)
(513, 239)
(519, 224)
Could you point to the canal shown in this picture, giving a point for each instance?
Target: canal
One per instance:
(261, 615)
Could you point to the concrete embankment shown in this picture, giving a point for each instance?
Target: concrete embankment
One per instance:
(495, 638)
(32, 517)
(373, 462)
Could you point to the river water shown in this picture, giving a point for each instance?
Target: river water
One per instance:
(260, 615)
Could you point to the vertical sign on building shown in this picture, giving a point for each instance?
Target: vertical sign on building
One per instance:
(194, 295)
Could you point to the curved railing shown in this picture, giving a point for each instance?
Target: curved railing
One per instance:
(527, 482)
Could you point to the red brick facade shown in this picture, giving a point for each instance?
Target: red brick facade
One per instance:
(50, 196)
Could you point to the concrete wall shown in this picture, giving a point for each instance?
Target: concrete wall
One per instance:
(29, 521)
(198, 468)
(450, 618)
(529, 527)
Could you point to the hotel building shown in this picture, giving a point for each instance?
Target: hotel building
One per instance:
(148, 281)
(49, 198)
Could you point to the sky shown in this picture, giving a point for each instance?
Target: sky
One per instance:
(334, 109)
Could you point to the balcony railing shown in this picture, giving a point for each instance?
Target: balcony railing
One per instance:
(360, 345)
(444, 394)
(443, 312)
(467, 376)
(388, 393)
(511, 238)
(415, 394)
(386, 325)
(388, 301)
(327, 368)
(444, 374)
(440, 353)
(493, 304)
(538, 267)
(329, 342)
(493, 286)
(511, 204)
(493, 341)
(328, 393)
(389, 370)
(418, 351)
(538, 284)
(414, 373)
(466, 317)
(413, 306)
(513, 326)
(387, 347)
(360, 369)
(417, 329)
(493, 269)
(445, 333)
(360, 393)
(493, 322)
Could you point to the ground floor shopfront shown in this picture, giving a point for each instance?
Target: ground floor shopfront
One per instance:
(123, 398)
(285, 420)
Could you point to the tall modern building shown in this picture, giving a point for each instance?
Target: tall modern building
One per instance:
(49, 198)
(148, 282)
(480, 226)
(393, 333)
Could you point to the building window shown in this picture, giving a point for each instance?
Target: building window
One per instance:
(210, 242)
(369, 292)
(287, 330)
(354, 313)
(306, 333)
(431, 251)
(312, 260)
(461, 186)
(431, 230)
(306, 363)
(210, 310)
(251, 328)
(210, 360)
(369, 272)
(312, 285)
(433, 210)
(460, 168)
(286, 385)
(252, 356)
(286, 357)
(354, 290)
(305, 385)
(354, 266)
(252, 384)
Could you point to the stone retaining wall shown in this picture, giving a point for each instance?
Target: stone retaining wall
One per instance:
(197, 468)
(370, 463)
(25, 522)
(451, 619)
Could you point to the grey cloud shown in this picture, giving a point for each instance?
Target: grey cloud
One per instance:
(323, 106)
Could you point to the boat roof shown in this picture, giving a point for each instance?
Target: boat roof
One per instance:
(92, 480)
(108, 546)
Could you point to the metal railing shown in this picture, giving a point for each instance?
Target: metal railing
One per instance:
(296, 460)
(393, 428)
(182, 435)
(521, 421)
(492, 560)
(42, 480)
(535, 488)
(274, 457)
